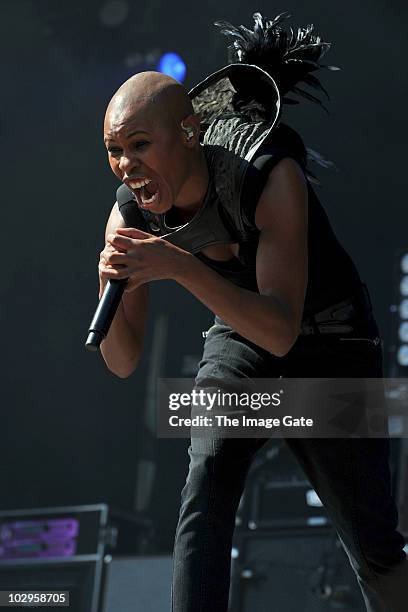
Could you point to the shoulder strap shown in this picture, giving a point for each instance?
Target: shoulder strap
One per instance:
(284, 141)
(266, 159)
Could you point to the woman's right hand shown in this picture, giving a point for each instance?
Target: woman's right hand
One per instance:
(105, 265)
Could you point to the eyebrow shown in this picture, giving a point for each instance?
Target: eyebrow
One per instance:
(137, 132)
(129, 135)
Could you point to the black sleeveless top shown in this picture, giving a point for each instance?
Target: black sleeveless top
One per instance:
(332, 275)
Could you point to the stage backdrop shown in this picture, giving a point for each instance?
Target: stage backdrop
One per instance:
(72, 431)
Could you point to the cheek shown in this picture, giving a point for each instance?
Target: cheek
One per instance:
(114, 165)
(173, 163)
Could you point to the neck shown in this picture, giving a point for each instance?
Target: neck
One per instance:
(193, 192)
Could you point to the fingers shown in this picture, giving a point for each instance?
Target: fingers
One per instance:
(117, 272)
(112, 264)
(116, 247)
(110, 248)
(124, 237)
(132, 232)
(107, 253)
(108, 256)
(119, 242)
(116, 258)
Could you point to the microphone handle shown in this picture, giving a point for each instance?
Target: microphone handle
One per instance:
(105, 311)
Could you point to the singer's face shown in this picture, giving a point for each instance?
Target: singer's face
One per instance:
(148, 153)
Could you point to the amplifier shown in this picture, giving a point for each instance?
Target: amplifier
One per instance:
(137, 584)
(302, 569)
(278, 494)
(62, 549)
(284, 503)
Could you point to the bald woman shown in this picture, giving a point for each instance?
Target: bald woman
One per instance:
(152, 138)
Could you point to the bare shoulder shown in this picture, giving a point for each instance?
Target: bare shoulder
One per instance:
(285, 194)
(115, 220)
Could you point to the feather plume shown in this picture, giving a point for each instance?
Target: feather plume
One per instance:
(289, 56)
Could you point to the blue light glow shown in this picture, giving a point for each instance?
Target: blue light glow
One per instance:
(173, 65)
(402, 355)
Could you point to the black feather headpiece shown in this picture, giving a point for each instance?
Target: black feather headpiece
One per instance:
(288, 56)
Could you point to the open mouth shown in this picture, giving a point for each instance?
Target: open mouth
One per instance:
(146, 191)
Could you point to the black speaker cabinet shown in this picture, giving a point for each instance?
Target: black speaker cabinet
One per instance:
(137, 584)
(287, 570)
(81, 578)
(278, 494)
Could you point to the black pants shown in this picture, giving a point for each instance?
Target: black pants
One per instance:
(350, 475)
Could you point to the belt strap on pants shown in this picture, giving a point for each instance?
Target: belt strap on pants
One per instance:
(334, 319)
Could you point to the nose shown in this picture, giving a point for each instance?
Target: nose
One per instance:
(128, 163)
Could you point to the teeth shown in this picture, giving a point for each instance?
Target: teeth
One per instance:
(140, 183)
(150, 200)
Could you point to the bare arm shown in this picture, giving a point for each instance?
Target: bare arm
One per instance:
(270, 319)
(123, 346)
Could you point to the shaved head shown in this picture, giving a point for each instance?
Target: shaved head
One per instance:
(152, 134)
(154, 95)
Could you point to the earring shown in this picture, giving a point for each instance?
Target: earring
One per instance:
(188, 130)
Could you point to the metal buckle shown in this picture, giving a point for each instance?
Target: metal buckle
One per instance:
(331, 320)
(309, 326)
(339, 312)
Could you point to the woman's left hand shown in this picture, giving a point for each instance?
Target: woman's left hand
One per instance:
(142, 257)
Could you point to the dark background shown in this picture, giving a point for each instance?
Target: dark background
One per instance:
(72, 432)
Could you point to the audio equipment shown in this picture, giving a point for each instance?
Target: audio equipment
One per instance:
(286, 570)
(63, 549)
(137, 584)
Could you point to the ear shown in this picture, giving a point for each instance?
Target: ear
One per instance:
(190, 127)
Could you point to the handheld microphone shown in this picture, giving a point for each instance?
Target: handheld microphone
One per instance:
(105, 311)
